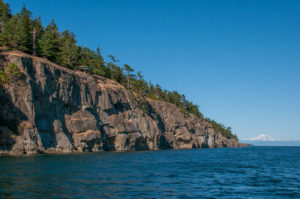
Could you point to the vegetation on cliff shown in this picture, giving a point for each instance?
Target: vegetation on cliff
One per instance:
(24, 33)
(11, 72)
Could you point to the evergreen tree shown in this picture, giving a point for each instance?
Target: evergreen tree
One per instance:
(37, 23)
(99, 58)
(151, 93)
(11, 36)
(129, 74)
(139, 75)
(117, 73)
(26, 31)
(113, 59)
(49, 43)
(4, 14)
(113, 71)
(87, 57)
(140, 85)
(98, 51)
(99, 68)
(69, 50)
(39, 30)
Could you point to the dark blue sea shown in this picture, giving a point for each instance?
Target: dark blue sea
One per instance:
(253, 172)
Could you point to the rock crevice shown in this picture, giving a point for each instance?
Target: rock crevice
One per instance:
(52, 109)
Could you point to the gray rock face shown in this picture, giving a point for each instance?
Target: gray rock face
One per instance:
(52, 109)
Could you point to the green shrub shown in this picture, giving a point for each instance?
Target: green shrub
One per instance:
(3, 76)
(11, 72)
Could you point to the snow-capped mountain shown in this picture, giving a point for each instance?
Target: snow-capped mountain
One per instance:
(266, 140)
(261, 137)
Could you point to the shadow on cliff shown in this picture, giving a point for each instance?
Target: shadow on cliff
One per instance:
(53, 100)
(48, 107)
(156, 117)
(10, 116)
(99, 123)
(162, 141)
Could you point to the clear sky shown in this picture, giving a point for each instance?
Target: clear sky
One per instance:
(238, 60)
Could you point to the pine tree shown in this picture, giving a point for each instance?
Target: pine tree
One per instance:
(139, 84)
(26, 31)
(129, 74)
(113, 58)
(11, 36)
(69, 50)
(5, 14)
(49, 43)
(98, 52)
(139, 75)
(99, 58)
(117, 73)
(39, 30)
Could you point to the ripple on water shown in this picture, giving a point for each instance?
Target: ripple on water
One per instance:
(254, 172)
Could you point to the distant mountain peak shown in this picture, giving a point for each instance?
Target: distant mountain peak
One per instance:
(262, 137)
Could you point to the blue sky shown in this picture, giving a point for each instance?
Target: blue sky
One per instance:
(238, 60)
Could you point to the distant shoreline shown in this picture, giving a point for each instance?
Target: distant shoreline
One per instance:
(271, 143)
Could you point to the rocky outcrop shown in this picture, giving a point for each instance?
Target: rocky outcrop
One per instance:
(51, 109)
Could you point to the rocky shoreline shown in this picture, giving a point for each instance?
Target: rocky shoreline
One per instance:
(51, 109)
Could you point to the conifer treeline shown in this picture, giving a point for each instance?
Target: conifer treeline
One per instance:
(16, 33)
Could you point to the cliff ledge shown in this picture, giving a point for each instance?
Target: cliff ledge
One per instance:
(51, 109)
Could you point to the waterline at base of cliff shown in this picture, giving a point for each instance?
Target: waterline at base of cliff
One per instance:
(52, 109)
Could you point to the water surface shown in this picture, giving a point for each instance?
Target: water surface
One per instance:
(253, 172)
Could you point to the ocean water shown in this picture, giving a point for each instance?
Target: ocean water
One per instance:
(253, 172)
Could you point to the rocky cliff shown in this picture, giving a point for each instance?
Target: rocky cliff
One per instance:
(51, 109)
